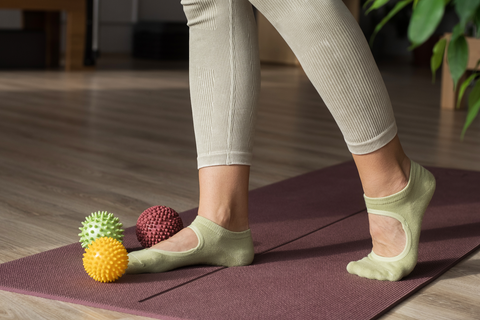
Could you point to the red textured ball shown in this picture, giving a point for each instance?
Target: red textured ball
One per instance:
(156, 224)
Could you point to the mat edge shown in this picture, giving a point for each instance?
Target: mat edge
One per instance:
(88, 304)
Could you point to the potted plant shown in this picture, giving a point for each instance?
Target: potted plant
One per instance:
(426, 16)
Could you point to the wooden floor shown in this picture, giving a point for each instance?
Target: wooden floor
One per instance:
(120, 139)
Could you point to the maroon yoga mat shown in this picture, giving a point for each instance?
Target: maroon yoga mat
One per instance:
(306, 229)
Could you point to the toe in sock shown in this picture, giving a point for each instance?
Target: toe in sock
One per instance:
(216, 246)
(407, 206)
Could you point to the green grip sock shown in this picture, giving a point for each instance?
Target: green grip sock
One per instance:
(216, 246)
(407, 206)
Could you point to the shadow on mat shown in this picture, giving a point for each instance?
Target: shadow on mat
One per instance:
(306, 253)
(428, 269)
(453, 232)
(454, 187)
(430, 235)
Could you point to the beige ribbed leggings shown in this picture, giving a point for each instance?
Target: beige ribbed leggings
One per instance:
(225, 73)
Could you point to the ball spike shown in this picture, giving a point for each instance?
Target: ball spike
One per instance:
(110, 264)
(156, 224)
(97, 225)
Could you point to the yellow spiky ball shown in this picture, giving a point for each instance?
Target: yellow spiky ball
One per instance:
(105, 260)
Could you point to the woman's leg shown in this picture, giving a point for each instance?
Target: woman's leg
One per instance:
(224, 86)
(336, 57)
(224, 195)
(223, 200)
(224, 79)
(383, 173)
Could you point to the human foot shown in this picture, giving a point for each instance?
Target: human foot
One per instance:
(407, 207)
(183, 240)
(215, 246)
(388, 236)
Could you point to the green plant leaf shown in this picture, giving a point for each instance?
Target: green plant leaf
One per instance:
(466, 10)
(465, 84)
(399, 6)
(415, 2)
(463, 87)
(457, 31)
(437, 56)
(457, 58)
(377, 4)
(474, 95)
(425, 18)
(476, 19)
(473, 107)
(366, 3)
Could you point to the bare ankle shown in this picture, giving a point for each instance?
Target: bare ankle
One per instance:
(385, 186)
(224, 196)
(387, 181)
(229, 219)
(385, 171)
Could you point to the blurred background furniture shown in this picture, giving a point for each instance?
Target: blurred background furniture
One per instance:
(45, 15)
(448, 96)
(160, 40)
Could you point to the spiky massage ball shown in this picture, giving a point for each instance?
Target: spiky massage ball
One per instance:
(100, 224)
(105, 260)
(156, 224)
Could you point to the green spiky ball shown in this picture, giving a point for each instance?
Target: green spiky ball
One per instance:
(100, 224)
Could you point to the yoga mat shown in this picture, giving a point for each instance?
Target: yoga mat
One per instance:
(306, 229)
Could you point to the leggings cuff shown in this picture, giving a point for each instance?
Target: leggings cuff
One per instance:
(224, 159)
(375, 143)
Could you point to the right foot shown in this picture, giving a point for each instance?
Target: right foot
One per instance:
(389, 260)
(183, 240)
(214, 246)
(186, 239)
(388, 236)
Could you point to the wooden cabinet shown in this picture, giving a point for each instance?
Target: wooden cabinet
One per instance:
(76, 24)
